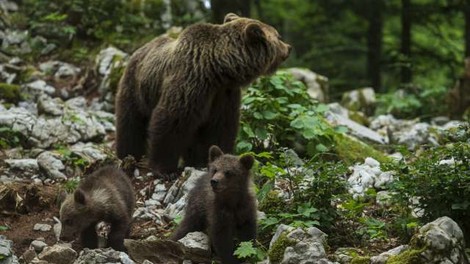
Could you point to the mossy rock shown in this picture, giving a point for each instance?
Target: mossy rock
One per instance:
(351, 150)
(276, 252)
(360, 260)
(10, 92)
(410, 256)
(272, 203)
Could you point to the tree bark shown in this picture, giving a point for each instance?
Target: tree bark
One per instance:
(467, 28)
(221, 7)
(374, 42)
(406, 75)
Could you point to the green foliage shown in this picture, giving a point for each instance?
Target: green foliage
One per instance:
(10, 92)
(71, 159)
(277, 111)
(441, 189)
(417, 101)
(249, 253)
(276, 252)
(398, 103)
(372, 228)
(10, 138)
(71, 184)
(3, 228)
(312, 188)
(112, 21)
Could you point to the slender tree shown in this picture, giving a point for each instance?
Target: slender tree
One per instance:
(374, 41)
(406, 75)
(467, 28)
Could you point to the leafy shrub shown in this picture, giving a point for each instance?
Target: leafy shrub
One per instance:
(277, 111)
(248, 252)
(95, 19)
(10, 138)
(441, 189)
(398, 103)
(311, 188)
(416, 101)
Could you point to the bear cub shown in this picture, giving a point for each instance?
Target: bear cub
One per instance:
(177, 97)
(222, 204)
(105, 195)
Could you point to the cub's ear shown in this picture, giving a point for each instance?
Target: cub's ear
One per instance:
(80, 197)
(214, 153)
(230, 17)
(254, 32)
(247, 161)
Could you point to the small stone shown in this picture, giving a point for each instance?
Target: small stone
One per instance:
(38, 245)
(42, 227)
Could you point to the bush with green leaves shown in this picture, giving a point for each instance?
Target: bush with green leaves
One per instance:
(413, 101)
(439, 179)
(312, 189)
(277, 111)
(94, 19)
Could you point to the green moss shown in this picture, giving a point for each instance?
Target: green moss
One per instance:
(351, 150)
(276, 252)
(10, 92)
(359, 117)
(411, 256)
(272, 203)
(360, 260)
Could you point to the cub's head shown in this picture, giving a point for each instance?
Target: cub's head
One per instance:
(262, 41)
(75, 215)
(228, 173)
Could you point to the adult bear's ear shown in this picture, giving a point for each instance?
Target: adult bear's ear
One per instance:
(214, 153)
(230, 17)
(80, 197)
(254, 32)
(247, 161)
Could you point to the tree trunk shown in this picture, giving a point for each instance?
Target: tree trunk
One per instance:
(406, 76)
(221, 7)
(374, 42)
(467, 28)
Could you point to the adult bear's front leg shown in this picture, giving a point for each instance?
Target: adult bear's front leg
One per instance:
(221, 129)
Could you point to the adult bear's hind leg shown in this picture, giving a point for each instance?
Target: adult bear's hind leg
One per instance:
(131, 131)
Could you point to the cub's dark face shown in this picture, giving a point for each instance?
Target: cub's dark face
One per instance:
(74, 216)
(258, 35)
(228, 173)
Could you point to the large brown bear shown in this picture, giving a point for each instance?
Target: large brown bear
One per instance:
(222, 203)
(183, 95)
(105, 195)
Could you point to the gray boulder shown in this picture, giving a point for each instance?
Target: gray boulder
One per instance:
(317, 85)
(299, 246)
(6, 252)
(58, 253)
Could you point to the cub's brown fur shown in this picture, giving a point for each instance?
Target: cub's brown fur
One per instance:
(222, 204)
(105, 195)
(183, 95)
